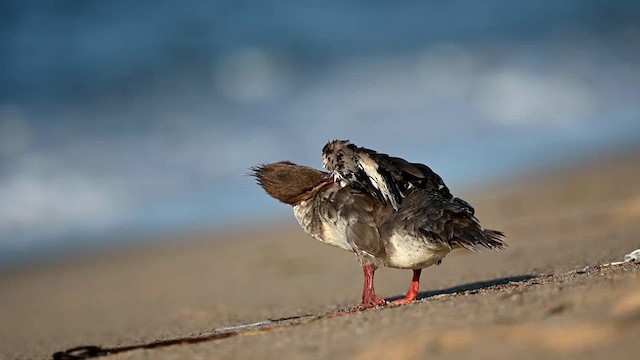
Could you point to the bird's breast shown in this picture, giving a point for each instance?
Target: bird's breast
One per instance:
(316, 224)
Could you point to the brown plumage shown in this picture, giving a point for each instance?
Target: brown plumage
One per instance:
(288, 182)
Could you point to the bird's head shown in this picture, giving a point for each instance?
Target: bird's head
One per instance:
(288, 182)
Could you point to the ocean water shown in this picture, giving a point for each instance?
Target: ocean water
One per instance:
(124, 119)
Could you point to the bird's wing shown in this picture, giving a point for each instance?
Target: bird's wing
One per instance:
(429, 215)
(352, 212)
(386, 177)
(378, 176)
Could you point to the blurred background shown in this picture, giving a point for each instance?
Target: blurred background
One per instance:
(122, 121)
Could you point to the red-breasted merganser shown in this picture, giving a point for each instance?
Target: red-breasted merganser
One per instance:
(416, 229)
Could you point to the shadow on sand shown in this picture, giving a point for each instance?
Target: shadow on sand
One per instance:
(471, 287)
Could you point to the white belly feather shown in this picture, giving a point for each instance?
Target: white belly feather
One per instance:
(408, 252)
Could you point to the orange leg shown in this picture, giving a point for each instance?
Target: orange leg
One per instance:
(369, 297)
(412, 294)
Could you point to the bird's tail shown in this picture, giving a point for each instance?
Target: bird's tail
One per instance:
(494, 239)
(470, 235)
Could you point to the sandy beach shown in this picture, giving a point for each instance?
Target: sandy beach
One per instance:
(545, 296)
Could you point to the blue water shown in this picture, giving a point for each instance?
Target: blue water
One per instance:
(138, 118)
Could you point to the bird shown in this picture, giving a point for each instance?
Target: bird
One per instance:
(387, 211)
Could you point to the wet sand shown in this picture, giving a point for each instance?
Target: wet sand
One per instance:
(542, 297)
